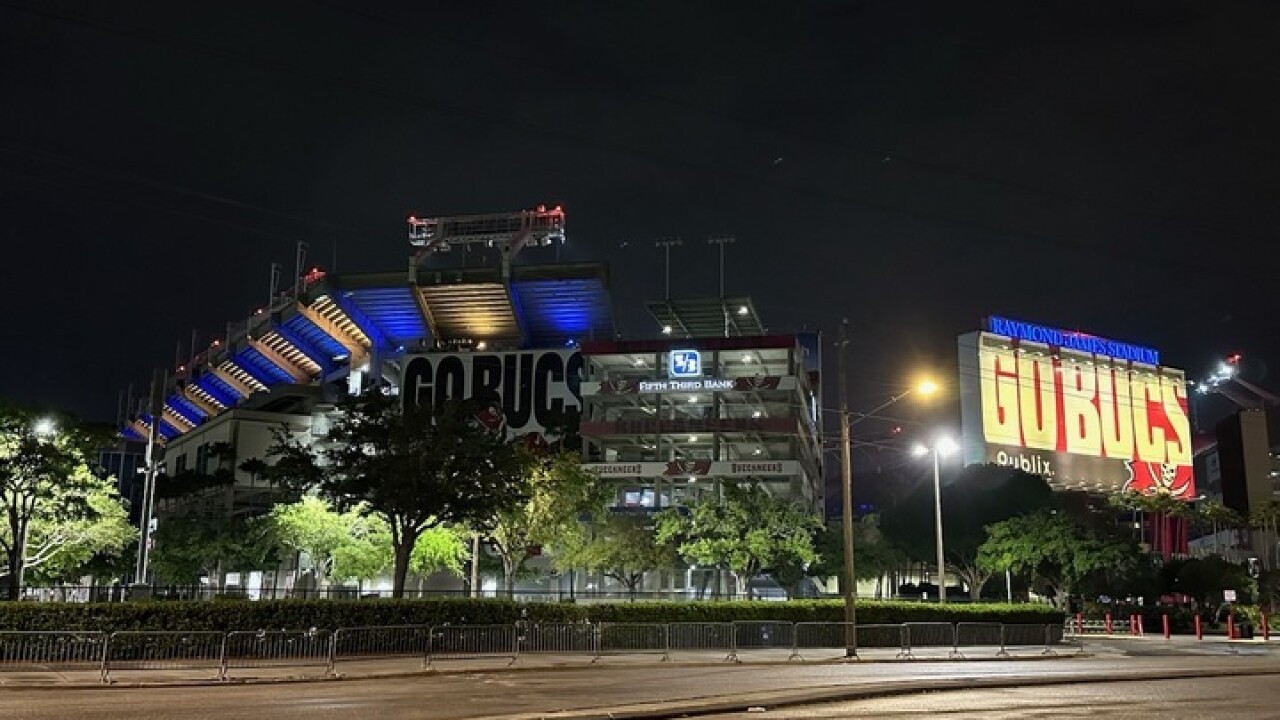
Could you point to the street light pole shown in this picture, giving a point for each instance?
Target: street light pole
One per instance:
(941, 447)
(937, 526)
(846, 496)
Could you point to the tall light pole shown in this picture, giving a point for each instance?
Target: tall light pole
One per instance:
(850, 586)
(941, 447)
(846, 515)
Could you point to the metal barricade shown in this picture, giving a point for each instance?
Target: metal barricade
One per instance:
(143, 650)
(472, 642)
(565, 638)
(695, 636)
(826, 636)
(980, 635)
(1023, 635)
(380, 643)
(278, 649)
(763, 635)
(632, 639)
(68, 650)
(928, 635)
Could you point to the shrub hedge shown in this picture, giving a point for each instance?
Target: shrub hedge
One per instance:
(224, 615)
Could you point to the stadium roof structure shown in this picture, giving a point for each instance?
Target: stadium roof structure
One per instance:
(706, 317)
(330, 324)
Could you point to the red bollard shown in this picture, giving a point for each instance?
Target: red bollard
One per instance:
(1142, 631)
(1079, 623)
(1231, 626)
(1164, 620)
(1266, 629)
(1108, 617)
(1199, 629)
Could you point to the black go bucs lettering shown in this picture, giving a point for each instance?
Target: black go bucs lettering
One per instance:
(535, 389)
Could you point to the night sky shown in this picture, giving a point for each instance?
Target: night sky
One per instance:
(1108, 167)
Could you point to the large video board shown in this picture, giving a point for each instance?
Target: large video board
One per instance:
(1082, 411)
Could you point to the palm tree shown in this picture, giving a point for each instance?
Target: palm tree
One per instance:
(1214, 516)
(1266, 518)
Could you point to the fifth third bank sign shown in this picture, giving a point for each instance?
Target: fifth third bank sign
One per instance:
(1082, 411)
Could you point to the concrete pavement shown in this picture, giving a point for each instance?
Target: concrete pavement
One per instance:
(616, 687)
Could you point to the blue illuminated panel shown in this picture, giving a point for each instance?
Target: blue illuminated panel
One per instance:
(393, 310)
(1071, 340)
(185, 408)
(257, 365)
(310, 334)
(218, 389)
(554, 311)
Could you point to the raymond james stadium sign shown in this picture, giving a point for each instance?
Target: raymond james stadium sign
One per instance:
(1072, 340)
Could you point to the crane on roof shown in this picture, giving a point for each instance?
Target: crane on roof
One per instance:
(509, 232)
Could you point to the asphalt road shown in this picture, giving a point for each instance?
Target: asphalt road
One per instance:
(452, 697)
(1252, 697)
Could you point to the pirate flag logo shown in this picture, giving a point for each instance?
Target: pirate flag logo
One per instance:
(1149, 477)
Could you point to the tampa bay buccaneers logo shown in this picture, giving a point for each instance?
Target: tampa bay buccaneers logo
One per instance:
(761, 382)
(688, 467)
(491, 416)
(1148, 477)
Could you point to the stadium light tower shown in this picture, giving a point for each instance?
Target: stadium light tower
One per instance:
(942, 447)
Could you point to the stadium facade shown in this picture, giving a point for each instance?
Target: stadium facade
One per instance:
(536, 340)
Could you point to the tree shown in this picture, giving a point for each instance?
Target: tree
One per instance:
(205, 541)
(622, 547)
(311, 526)
(1205, 579)
(416, 468)
(873, 554)
(1056, 547)
(980, 496)
(55, 507)
(558, 493)
(1213, 516)
(1266, 518)
(60, 550)
(749, 532)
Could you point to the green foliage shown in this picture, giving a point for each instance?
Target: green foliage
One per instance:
(62, 550)
(311, 526)
(57, 513)
(622, 547)
(206, 541)
(749, 532)
(1205, 579)
(441, 549)
(1060, 550)
(980, 496)
(558, 491)
(413, 467)
(224, 615)
(873, 554)
(355, 546)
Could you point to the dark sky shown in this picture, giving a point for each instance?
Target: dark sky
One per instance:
(1109, 167)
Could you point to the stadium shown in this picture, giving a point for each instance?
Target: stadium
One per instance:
(708, 396)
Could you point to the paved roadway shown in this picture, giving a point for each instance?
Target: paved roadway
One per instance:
(592, 689)
(1252, 697)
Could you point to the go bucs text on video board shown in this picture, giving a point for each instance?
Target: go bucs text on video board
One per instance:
(1079, 410)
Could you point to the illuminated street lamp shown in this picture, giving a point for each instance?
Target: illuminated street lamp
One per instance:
(45, 427)
(924, 387)
(942, 447)
(850, 589)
